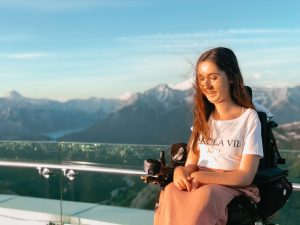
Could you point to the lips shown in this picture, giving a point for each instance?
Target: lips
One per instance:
(210, 93)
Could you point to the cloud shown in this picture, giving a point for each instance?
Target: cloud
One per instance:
(31, 55)
(185, 85)
(139, 62)
(270, 48)
(65, 5)
(215, 34)
(256, 76)
(263, 31)
(195, 42)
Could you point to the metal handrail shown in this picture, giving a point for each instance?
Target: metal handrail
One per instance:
(71, 167)
(296, 186)
(99, 169)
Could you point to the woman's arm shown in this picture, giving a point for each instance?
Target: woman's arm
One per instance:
(181, 174)
(238, 178)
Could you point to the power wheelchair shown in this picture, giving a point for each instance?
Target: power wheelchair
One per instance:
(272, 181)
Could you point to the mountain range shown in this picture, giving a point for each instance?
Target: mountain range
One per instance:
(24, 118)
(160, 115)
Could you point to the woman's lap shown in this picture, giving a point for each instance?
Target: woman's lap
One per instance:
(205, 205)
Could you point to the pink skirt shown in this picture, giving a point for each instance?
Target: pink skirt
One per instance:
(206, 205)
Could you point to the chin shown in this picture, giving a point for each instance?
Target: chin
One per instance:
(213, 99)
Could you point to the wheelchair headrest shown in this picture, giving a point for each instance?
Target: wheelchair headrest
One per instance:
(249, 90)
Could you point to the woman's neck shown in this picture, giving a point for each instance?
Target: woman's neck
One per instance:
(227, 111)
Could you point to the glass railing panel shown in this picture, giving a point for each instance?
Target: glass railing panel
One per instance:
(27, 181)
(107, 188)
(121, 194)
(108, 198)
(23, 190)
(111, 155)
(46, 152)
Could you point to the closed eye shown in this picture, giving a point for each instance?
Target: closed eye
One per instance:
(213, 76)
(202, 78)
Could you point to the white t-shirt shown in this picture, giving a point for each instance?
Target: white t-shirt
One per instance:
(230, 140)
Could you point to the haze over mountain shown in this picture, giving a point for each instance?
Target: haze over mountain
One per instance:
(161, 115)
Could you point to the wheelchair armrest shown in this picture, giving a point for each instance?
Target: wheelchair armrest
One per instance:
(269, 175)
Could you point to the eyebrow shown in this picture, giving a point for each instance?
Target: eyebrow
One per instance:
(199, 74)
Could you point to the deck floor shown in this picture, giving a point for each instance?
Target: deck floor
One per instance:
(37, 211)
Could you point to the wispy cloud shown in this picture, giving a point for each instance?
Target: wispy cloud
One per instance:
(65, 5)
(216, 34)
(268, 57)
(199, 41)
(276, 49)
(29, 55)
(263, 31)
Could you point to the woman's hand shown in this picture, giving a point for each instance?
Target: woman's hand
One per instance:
(181, 179)
(194, 180)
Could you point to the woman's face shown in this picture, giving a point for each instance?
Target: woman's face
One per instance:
(213, 82)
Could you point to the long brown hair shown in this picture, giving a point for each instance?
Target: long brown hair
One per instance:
(226, 61)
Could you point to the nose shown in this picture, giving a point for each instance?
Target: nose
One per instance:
(206, 84)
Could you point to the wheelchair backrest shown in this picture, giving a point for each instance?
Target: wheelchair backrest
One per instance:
(272, 156)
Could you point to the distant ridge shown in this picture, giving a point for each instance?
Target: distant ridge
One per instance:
(23, 118)
(160, 115)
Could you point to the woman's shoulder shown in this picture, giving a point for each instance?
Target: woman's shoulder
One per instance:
(250, 111)
(251, 114)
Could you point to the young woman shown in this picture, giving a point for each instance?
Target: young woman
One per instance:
(224, 148)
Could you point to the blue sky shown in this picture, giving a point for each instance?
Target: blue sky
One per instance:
(63, 49)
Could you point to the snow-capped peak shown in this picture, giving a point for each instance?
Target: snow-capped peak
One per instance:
(183, 86)
(14, 94)
(125, 96)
